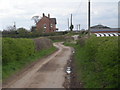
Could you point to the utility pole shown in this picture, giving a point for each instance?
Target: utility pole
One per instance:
(71, 19)
(79, 26)
(89, 18)
(68, 24)
(71, 27)
(14, 25)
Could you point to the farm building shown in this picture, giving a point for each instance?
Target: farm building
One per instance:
(104, 29)
(46, 24)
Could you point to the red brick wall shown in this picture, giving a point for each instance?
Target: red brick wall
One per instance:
(46, 20)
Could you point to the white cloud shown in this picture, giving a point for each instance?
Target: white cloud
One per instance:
(21, 11)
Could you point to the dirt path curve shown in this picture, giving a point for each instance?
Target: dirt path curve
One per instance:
(47, 73)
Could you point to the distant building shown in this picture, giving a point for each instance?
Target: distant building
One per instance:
(46, 24)
(99, 26)
(103, 29)
(33, 28)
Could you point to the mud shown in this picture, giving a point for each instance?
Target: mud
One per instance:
(71, 80)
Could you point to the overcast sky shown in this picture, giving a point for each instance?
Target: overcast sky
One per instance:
(21, 11)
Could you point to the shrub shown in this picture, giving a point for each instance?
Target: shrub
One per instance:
(16, 49)
(97, 62)
(17, 53)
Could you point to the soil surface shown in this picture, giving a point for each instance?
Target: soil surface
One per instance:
(72, 80)
(48, 72)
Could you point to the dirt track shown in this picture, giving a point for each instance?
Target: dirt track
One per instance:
(47, 73)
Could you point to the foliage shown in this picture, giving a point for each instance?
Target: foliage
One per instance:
(17, 53)
(14, 32)
(97, 62)
(21, 31)
(27, 34)
(71, 27)
(16, 49)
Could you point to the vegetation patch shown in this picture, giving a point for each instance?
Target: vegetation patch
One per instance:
(60, 38)
(23, 33)
(97, 62)
(17, 53)
(42, 43)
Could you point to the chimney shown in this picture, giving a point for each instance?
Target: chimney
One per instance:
(48, 15)
(43, 14)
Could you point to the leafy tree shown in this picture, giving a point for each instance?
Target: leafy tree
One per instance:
(71, 27)
(22, 30)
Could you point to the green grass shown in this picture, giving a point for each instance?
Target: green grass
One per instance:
(69, 44)
(57, 40)
(18, 53)
(97, 62)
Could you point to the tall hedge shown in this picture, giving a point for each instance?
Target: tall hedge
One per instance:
(16, 49)
(98, 62)
(18, 53)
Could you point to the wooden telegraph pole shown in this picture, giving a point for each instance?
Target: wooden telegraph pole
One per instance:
(71, 27)
(89, 18)
(14, 25)
(79, 26)
(68, 24)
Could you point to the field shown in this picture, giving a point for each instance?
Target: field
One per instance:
(17, 53)
(96, 61)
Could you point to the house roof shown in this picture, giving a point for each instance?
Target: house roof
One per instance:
(53, 20)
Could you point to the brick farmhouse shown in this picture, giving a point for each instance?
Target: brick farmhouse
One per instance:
(46, 24)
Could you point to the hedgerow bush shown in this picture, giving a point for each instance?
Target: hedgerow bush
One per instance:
(97, 62)
(23, 33)
(16, 49)
(18, 53)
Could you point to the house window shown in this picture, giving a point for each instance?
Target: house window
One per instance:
(44, 26)
(51, 25)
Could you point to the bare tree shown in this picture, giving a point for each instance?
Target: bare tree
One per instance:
(36, 19)
(10, 28)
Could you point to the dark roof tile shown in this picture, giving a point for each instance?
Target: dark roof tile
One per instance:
(53, 20)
